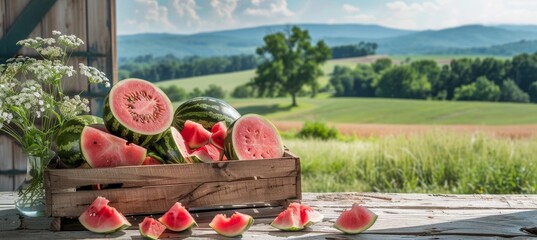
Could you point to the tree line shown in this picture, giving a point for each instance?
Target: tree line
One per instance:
(169, 67)
(487, 79)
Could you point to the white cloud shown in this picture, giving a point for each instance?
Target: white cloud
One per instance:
(361, 18)
(152, 13)
(400, 6)
(273, 8)
(224, 8)
(186, 8)
(256, 2)
(350, 8)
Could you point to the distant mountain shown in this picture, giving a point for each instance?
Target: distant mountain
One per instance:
(459, 37)
(244, 40)
(508, 49)
(527, 28)
(390, 40)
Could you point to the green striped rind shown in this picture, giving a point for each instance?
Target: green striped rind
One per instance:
(204, 110)
(154, 154)
(68, 139)
(168, 150)
(229, 148)
(118, 129)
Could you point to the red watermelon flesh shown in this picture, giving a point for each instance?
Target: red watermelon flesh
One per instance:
(233, 226)
(101, 149)
(217, 138)
(149, 160)
(355, 220)
(288, 220)
(206, 153)
(194, 134)
(296, 217)
(151, 228)
(219, 126)
(178, 219)
(253, 137)
(101, 218)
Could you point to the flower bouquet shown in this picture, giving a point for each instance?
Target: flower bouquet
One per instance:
(33, 107)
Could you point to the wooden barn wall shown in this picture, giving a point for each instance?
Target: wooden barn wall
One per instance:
(91, 20)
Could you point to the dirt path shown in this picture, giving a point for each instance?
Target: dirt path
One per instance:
(366, 130)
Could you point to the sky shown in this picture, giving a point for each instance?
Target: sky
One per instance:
(191, 16)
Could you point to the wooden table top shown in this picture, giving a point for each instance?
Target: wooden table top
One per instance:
(401, 216)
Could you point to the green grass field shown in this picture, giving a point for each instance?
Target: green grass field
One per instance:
(390, 111)
(437, 162)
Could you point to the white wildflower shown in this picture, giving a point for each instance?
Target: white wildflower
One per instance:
(70, 41)
(93, 74)
(56, 32)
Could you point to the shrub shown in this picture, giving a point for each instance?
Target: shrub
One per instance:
(215, 91)
(242, 91)
(175, 93)
(318, 130)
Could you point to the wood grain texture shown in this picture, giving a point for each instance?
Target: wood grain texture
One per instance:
(2, 18)
(421, 217)
(12, 11)
(194, 185)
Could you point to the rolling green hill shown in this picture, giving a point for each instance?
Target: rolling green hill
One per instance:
(508, 49)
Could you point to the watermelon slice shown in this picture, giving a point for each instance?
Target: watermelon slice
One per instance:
(206, 153)
(172, 147)
(194, 134)
(252, 137)
(218, 134)
(233, 226)
(137, 111)
(355, 220)
(178, 219)
(151, 228)
(101, 149)
(288, 220)
(101, 218)
(296, 217)
(150, 160)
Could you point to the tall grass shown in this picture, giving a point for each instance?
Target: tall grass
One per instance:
(434, 162)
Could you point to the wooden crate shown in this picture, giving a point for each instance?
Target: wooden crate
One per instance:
(154, 189)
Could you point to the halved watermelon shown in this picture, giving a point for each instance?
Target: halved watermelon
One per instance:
(296, 217)
(137, 111)
(252, 137)
(151, 228)
(355, 220)
(233, 226)
(194, 134)
(178, 219)
(101, 218)
(101, 149)
(172, 147)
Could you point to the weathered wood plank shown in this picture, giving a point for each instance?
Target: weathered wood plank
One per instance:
(68, 17)
(464, 220)
(6, 162)
(13, 9)
(132, 201)
(61, 179)
(2, 18)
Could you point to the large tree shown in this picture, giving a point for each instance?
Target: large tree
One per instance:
(290, 62)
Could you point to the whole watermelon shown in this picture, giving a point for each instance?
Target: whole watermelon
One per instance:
(68, 139)
(206, 111)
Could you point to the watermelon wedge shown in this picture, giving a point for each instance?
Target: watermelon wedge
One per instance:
(252, 137)
(178, 219)
(218, 134)
(206, 153)
(194, 134)
(101, 149)
(101, 218)
(151, 228)
(355, 220)
(296, 217)
(233, 226)
(172, 147)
